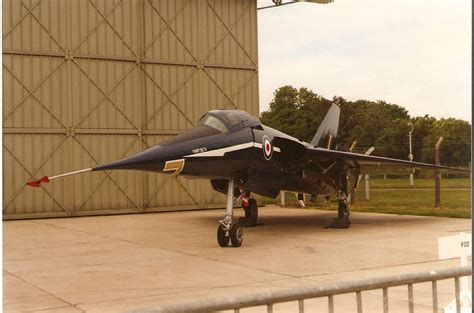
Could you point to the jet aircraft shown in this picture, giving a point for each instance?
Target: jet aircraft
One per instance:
(240, 155)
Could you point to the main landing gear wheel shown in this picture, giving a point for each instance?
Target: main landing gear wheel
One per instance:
(222, 239)
(236, 235)
(342, 219)
(251, 214)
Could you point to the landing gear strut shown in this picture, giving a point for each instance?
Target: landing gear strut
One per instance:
(226, 230)
(342, 219)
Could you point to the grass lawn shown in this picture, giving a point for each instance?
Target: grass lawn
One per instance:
(418, 183)
(394, 196)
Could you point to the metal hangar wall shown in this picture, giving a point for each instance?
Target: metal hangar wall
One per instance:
(86, 82)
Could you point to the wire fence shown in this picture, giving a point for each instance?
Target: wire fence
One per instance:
(419, 192)
(395, 194)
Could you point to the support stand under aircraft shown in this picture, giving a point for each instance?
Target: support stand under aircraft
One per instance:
(240, 155)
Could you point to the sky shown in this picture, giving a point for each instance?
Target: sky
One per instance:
(416, 54)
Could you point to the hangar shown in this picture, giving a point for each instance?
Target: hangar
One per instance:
(89, 82)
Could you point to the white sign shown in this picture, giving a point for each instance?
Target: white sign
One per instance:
(455, 246)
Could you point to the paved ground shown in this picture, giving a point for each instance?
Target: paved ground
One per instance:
(121, 263)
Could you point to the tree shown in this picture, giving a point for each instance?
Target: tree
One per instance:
(456, 147)
(296, 112)
(299, 112)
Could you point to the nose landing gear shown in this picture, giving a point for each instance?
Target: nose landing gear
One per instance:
(222, 235)
(227, 231)
(235, 235)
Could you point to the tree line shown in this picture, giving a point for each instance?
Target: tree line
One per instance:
(298, 112)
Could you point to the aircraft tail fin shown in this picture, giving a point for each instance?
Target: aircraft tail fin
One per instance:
(327, 131)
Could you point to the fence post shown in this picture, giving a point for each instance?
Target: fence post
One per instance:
(367, 187)
(437, 175)
(353, 145)
(410, 155)
(367, 191)
(352, 192)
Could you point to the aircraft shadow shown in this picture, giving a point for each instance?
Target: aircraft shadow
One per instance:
(320, 218)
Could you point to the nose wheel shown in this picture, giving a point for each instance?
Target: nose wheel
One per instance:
(235, 235)
(222, 238)
(228, 231)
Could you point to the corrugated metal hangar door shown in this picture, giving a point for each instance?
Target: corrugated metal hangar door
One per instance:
(86, 82)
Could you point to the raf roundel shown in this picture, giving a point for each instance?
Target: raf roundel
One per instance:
(267, 148)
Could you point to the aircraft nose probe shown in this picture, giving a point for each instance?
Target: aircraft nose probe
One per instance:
(46, 179)
(151, 159)
(227, 230)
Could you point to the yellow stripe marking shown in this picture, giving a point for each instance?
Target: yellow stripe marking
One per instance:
(174, 165)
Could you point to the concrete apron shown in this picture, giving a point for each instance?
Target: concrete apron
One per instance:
(120, 263)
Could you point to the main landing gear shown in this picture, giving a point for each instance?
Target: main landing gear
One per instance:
(227, 231)
(342, 219)
(251, 211)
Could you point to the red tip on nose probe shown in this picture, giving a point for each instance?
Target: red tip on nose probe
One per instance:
(36, 183)
(46, 179)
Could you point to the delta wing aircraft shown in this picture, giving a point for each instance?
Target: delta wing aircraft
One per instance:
(239, 155)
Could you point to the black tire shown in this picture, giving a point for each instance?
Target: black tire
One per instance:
(222, 239)
(247, 212)
(253, 212)
(236, 235)
(342, 209)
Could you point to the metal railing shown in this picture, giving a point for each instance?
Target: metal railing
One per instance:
(269, 298)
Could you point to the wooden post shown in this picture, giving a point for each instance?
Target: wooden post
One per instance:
(367, 187)
(437, 175)
(410, 155)
(282, 198)
(353, 183)
(353, 145)
(352, 196)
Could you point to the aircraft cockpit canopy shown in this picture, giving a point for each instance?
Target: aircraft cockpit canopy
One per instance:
(225, 120)
(216, 122)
